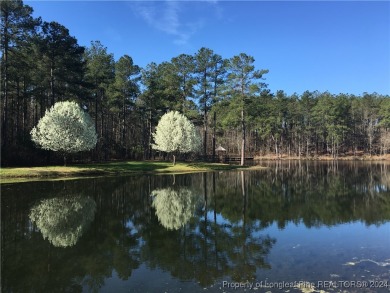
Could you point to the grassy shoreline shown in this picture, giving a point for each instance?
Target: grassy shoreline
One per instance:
(10, 175)
(21, 174)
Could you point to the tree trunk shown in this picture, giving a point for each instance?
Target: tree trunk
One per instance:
(215, 123)
(307, 147)
(96, 111)
(276, 149)
(25, 117)
(150, 135)
(123, 123)
(299, 149)
(244, 199)
(96, 123)
(52, 84)
(205, 197)
(5, 82)
(256, 138)
(205, 132)
(243, 138)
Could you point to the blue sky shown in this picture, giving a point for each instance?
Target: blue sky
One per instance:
(342, 47)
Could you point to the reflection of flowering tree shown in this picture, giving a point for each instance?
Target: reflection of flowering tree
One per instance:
(174, 207)
(63, 219)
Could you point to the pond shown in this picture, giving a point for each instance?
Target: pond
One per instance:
(292, 227)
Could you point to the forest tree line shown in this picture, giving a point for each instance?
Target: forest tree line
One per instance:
(227, 99)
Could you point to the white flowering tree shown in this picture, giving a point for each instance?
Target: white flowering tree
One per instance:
(176, 134)
(65, 128)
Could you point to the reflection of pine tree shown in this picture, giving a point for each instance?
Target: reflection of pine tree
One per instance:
(205, 249)
(223, 240)
(63, 220)
(247, 251)
(314, 194)
(174, 207)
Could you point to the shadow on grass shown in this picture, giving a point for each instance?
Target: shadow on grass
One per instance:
(214, 166)
(110, 169)
(118, 167)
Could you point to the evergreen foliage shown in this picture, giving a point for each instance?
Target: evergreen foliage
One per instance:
(42, 64)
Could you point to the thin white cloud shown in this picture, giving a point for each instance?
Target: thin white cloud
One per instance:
(165, 16)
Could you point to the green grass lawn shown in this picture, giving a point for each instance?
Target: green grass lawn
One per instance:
(9, 175)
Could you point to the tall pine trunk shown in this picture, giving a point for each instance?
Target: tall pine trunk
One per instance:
(5, 83)
(205, 126)
(52, 84)
(243, 138)
(214, 130)
(123, 122)
(150, 135)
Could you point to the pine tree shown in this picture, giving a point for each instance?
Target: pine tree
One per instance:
(16, 28)
(243, 84)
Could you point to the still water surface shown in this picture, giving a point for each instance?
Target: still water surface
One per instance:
(325, 223)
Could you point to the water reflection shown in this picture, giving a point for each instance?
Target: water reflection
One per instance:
(207, 247)
(206, 228)
(174, 206)
(62, 220)
(319, 193)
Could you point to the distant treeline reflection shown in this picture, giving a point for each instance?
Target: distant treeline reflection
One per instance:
(213, 230)
(321, 193)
